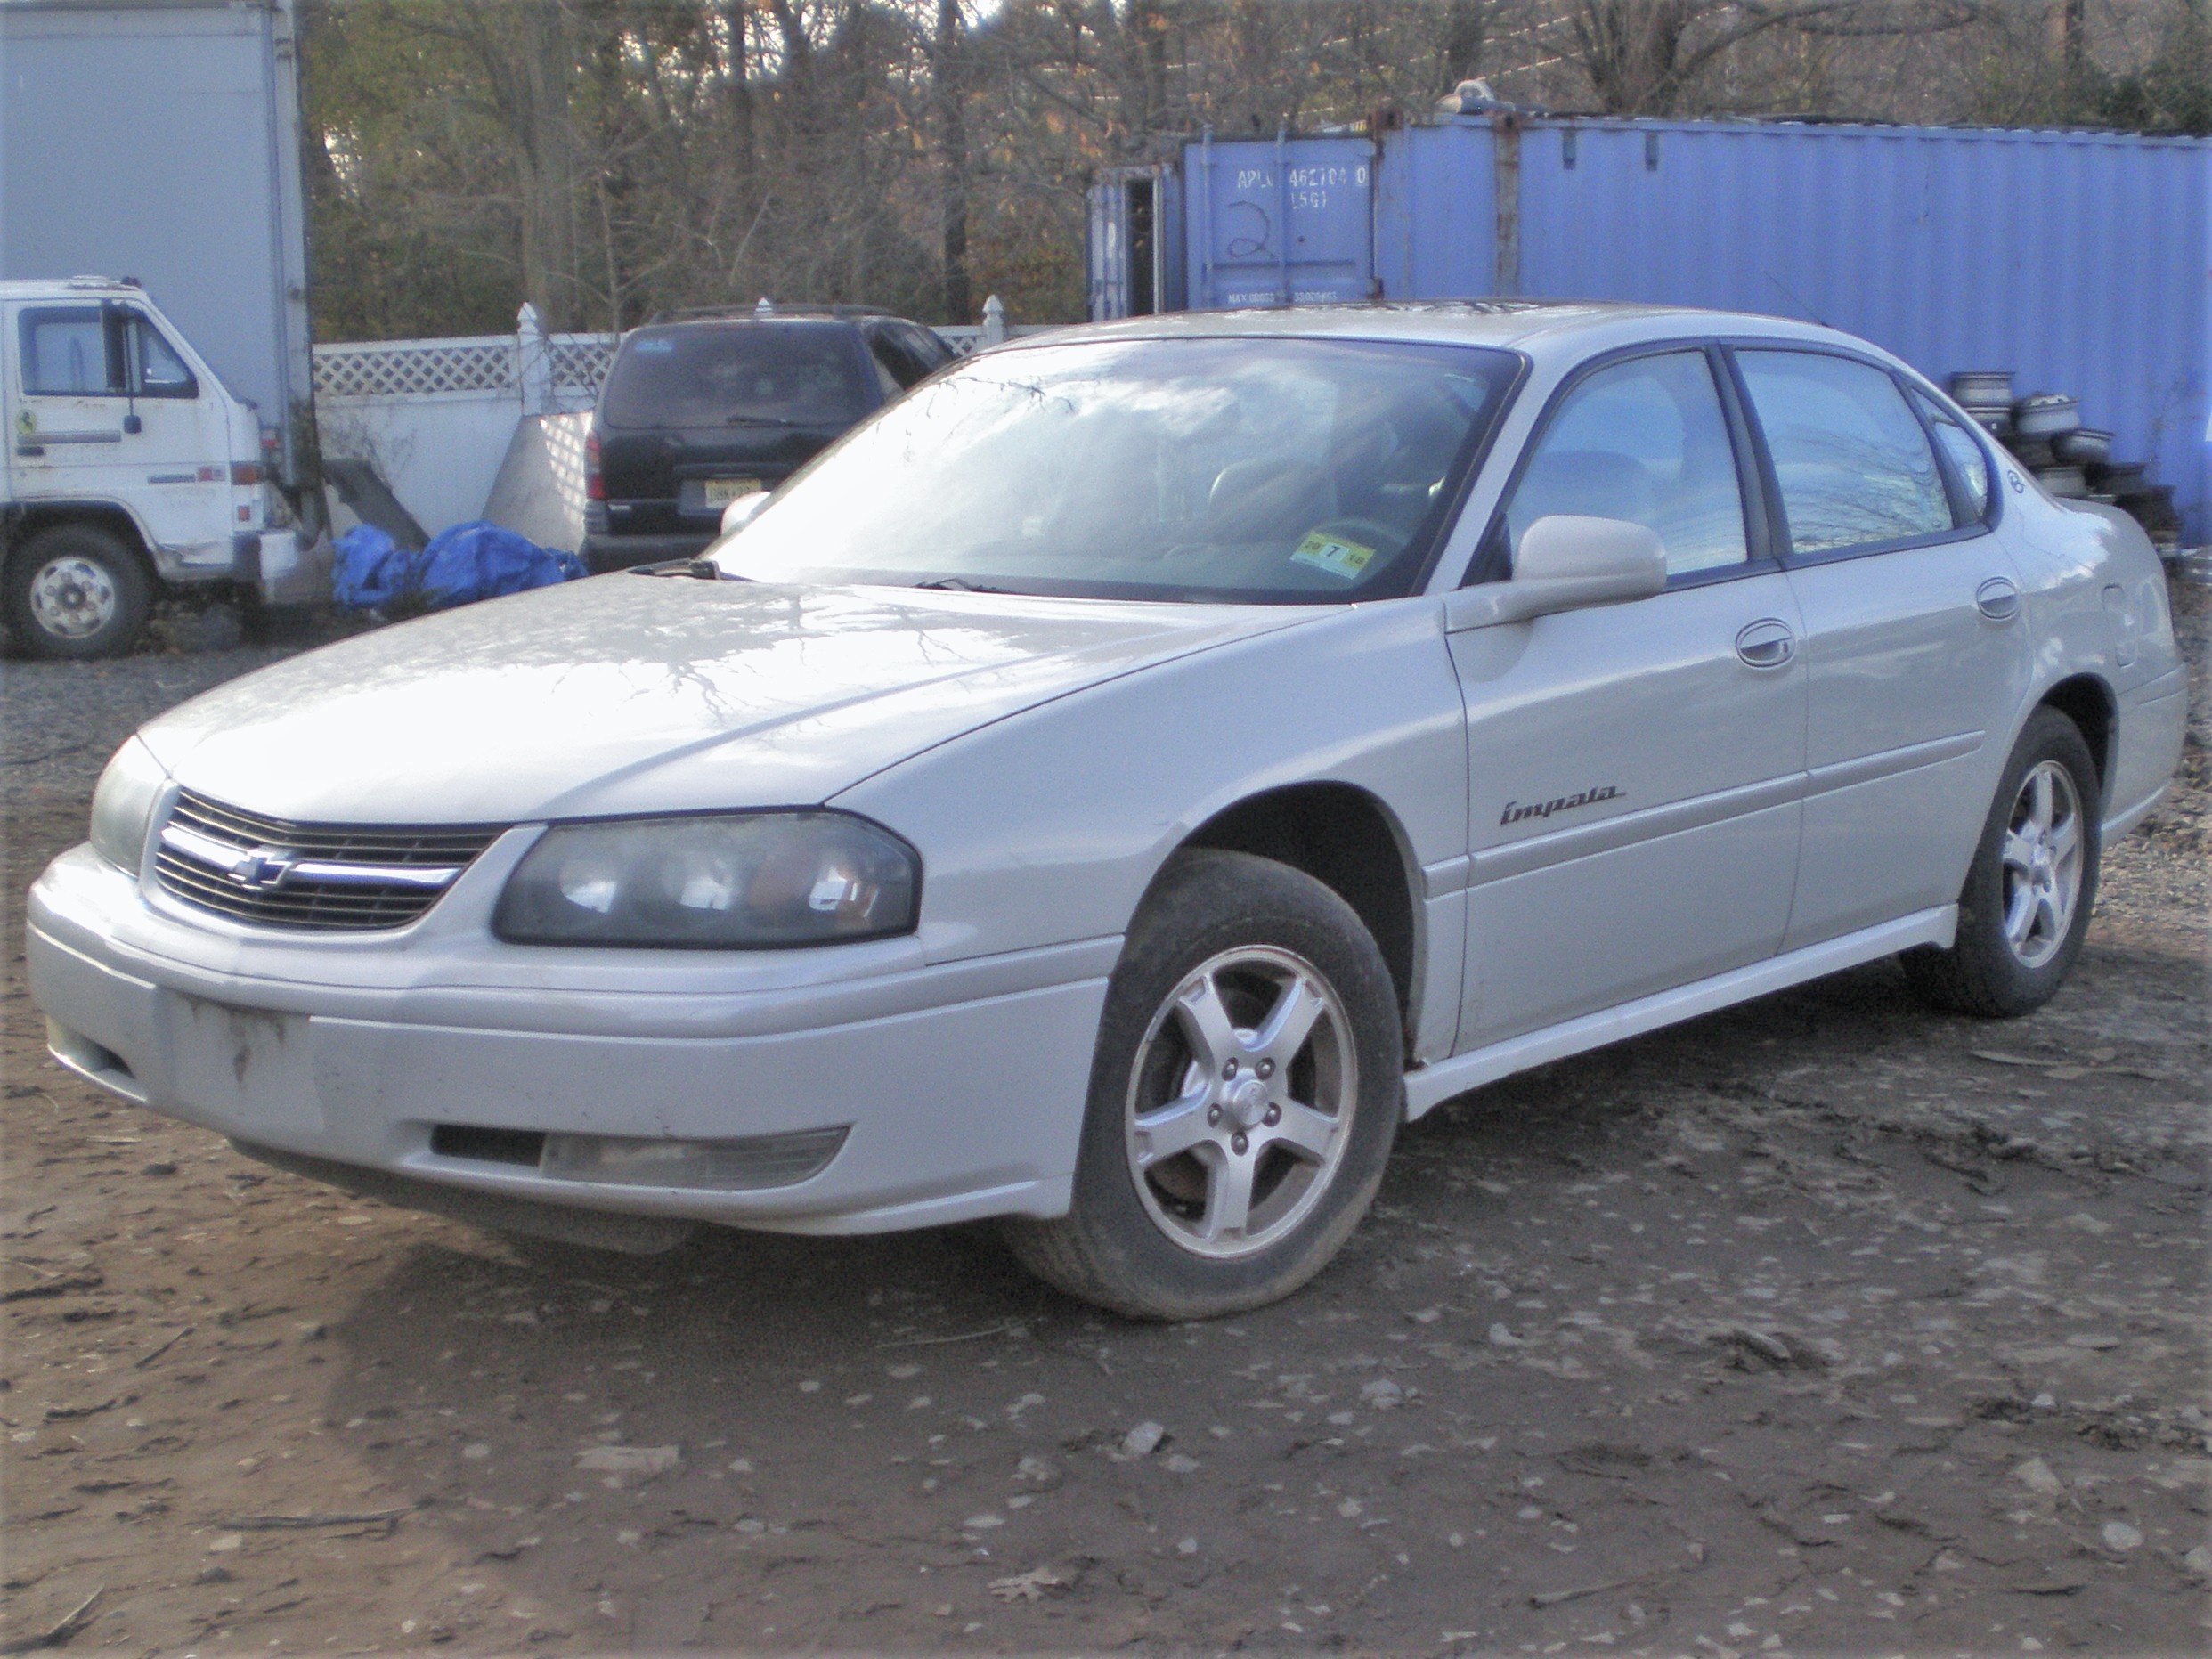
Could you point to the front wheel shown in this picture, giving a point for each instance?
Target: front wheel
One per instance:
(2026, 901)
(1244, 1095)
(76, 590)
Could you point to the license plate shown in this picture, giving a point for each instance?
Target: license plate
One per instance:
(722, 491)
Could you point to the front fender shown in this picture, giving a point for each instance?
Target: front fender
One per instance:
(1050, 826)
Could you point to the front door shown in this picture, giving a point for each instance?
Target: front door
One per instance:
(1635, 768)
(104, 407)
(1916, 653)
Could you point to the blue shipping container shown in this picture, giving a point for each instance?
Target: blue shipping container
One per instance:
(1279, 223)
(2082, 262)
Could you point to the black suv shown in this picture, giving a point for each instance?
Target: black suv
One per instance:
(701, 408)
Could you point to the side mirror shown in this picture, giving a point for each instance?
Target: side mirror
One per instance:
(1567, 562)
(742, 511)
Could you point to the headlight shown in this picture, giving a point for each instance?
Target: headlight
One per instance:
(733, 882)
(123, 805)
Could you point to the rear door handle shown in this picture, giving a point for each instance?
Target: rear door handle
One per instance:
(1767, 643)
(1997, 599)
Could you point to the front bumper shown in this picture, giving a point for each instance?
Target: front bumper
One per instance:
(963, 1084)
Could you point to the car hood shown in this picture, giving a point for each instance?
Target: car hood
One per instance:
(630, 694)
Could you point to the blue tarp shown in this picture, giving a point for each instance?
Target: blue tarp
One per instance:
(462, 563)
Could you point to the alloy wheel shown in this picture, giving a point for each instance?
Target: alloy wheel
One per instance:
(1240, 1101)
(2042, 857)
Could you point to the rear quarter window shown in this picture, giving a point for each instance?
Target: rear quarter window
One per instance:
(775, 374)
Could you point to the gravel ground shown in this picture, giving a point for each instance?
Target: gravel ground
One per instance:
(1823, 1325)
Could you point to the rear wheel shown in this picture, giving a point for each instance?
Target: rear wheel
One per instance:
(76, 591)
(2026, 901)
(1244, 1096)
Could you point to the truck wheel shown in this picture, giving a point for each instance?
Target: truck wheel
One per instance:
(1245, 1093)
(76, 591)
(2026, 904)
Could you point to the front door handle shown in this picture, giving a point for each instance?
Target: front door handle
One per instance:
(1767, 643)
(1997, 599)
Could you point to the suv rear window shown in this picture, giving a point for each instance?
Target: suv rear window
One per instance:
(778, 374)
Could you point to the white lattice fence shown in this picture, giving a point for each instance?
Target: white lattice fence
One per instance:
(581, 361)
(436, 417)
(470, 363)
(483, 363)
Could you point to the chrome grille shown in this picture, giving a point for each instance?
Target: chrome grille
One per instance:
(325, 877)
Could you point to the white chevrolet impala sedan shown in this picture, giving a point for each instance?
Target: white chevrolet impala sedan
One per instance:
(1113, 788)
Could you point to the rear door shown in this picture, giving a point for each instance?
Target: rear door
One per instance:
(1635, 768)
(1916, 653)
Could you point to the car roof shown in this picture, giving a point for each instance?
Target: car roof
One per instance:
(1540, 327)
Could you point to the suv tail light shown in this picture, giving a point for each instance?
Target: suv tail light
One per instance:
(594, 481)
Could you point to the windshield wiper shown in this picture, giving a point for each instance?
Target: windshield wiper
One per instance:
(700, 569)
(761, 420)
(960, 585)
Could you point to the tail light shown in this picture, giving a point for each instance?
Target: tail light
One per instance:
(244, 473)
(594, 481)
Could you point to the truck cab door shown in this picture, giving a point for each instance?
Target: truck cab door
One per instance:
(180, 456)
(104, 407)
(66, 403)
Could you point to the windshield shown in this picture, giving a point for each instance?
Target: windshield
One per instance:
(1245, 470)
(769, 373)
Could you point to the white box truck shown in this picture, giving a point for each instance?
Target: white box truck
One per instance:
(129, 465)
(159, 417)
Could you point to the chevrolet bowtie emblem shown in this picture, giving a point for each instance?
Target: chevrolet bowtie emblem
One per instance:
(262, 868)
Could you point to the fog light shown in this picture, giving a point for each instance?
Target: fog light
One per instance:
(756, 1161)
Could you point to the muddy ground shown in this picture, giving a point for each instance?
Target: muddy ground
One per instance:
(1825, 1325)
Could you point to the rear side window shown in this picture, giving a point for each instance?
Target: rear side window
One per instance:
(1968, 464)
(739, 374)
(65, 353)
(1645, 441)
(1853, 462)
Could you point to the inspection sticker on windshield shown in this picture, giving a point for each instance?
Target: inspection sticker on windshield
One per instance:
(1334, 554)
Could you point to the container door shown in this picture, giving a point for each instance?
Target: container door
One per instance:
(1285, 222)
(1107, 250)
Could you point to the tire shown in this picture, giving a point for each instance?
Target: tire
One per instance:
(2026, 905)
(76, 591)
(1228, 947)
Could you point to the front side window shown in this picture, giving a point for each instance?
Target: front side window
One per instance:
(1238, 470)
(156, 370)
(1968, 463)
(65, 353)
(1645, 441)
(1853, 464)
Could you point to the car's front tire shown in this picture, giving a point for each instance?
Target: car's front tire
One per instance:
(2026, 905)
(76, 591)
(1246, 1089)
